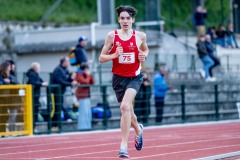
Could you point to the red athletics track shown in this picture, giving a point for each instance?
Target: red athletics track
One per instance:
(170, 142)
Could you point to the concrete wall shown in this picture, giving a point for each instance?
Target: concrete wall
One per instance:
(48, 46)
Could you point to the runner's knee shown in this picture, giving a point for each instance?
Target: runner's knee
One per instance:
(125, 107)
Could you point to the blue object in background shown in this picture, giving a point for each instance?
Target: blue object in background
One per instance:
(98, 112)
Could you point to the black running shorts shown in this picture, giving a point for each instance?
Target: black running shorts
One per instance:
(121, 84)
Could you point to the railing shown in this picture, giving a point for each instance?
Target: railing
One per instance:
(185, 103)
(63, 107)
(192, 102)
(15, 110)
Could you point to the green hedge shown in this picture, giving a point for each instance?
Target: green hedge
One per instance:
(85, 11)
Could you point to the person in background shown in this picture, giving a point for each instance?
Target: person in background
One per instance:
(200, 16)
(221, 36)
(211, 49)
(13, 77)
(212, 32)
(83, 96)
(231, 38)
(62, 77)
(142, 100)
(37, 82)
(205, 58)
(14, 116)
(80, 51)
(5, 69)
(160, 89)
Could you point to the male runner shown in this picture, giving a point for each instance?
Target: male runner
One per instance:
(127, 49)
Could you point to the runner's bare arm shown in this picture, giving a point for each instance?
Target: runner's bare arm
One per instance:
(143, 47)
(104, 56)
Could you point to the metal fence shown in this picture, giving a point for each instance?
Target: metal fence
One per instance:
(15, 110)
(189, 102)
(185, 103)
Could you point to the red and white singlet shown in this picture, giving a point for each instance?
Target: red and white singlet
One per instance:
(127, 64)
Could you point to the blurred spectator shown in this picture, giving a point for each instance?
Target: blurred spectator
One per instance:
(200, 16)
(205, 58)
(212, 32)
(4, 80)
(13, 77)
(37, 82)
(14, 116)
(80, 52)
(231, 36)
(62, 77)
(83, 96)
(221, 36)
(5, 69)
(160, 89)
(211, 50)
(142, 100)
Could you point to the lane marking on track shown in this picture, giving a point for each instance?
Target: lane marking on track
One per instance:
(118, 130)
(110, 137)
(226, 155)
(156, 155)
(155, 146)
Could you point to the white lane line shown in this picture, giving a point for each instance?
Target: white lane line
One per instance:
(70, 158)
(89, 146)
(226, 155)
(118, 130)
(74, 140)
(93, 132)
(211, 148)
(53, 143)
(156, 155)
(79, 147)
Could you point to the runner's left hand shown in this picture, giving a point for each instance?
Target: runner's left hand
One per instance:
(141, 56)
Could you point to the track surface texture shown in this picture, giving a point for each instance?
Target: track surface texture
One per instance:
(169, 142)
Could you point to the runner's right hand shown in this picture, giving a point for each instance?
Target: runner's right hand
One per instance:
(119, 50)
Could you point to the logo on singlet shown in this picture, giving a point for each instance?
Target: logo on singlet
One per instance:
(131, 47)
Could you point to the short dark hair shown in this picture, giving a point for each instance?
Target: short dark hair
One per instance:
(84, 66)
(131, 10)
(63, 59)
(163, 66)
(11, 62)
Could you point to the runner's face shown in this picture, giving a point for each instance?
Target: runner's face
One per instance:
(125, 20)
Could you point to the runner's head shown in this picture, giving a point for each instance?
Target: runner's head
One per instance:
(126, 16)
(129, 9)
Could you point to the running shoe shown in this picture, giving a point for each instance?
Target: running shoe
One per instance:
(139, 139)
(123, 152)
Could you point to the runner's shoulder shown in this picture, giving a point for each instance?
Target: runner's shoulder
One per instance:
(110, 36)
(141, 35)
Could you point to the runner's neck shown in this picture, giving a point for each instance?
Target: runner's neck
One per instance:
(125, 34)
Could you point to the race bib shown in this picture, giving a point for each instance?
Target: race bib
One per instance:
(127, 58)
